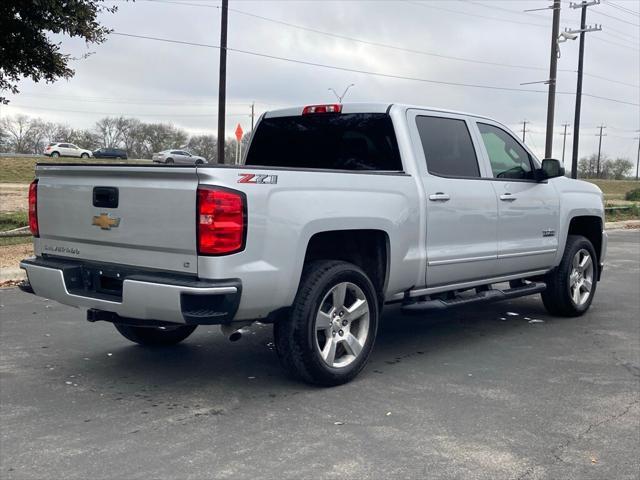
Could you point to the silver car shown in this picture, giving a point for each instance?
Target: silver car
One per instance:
(177, 156)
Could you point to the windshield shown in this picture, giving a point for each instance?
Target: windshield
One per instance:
(353, 141)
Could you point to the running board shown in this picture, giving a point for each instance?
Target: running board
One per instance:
(483, 296)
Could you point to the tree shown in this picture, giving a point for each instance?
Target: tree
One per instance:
(26, 49)
(587, 166)
(20, 131)
(204, 146)
(620, 168)
(109, 131)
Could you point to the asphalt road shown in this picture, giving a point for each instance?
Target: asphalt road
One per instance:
(471, 394)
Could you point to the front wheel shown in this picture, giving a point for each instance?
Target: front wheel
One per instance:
(155, 336)
(328, 335)
(84, 155)
(571, 286)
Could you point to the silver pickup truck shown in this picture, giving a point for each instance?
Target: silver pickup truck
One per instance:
(336, 211)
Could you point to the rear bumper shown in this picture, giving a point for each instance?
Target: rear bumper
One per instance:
(134, 293)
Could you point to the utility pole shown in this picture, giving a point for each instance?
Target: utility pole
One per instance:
(222, 82)
(576, 121)
(553, 69)
(599, 149)
(253, 104)
(564, 140)
(524, 129)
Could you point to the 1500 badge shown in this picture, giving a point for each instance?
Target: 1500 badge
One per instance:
(257, 178)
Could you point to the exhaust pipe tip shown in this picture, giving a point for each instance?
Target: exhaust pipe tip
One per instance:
(235, 336)
(234, 331)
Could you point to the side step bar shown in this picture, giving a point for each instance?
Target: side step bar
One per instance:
(482, 296)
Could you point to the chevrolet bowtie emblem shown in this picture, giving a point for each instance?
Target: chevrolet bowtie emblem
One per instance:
(105, 221)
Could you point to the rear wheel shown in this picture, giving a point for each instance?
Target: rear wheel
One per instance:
(55, 154)
(169, 160)
(329, 334)
(571, 286)
(155, 336)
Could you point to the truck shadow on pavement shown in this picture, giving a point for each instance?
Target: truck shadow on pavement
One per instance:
(207, 361)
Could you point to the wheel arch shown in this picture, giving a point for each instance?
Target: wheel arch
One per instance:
(589, 226)
(369, 249)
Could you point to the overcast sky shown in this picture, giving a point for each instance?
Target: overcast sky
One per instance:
(160, 81)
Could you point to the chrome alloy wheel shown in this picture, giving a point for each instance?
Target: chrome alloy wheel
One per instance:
(342, 324)
(581, 277)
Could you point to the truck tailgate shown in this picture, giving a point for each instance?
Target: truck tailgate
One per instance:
(149, 223)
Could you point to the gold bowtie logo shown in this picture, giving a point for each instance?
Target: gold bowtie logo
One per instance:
(105, 221)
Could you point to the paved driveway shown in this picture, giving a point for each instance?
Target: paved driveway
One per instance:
(471, 394)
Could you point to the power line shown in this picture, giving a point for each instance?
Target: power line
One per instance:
(476, 15)
(617, 18)
(622, 9)
(366, 72)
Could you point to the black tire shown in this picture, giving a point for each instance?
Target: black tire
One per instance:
(55, 154)
(295, 334)
(199, 162)
(84, 155)
(155, 336)
(557, 297)
(168, 160)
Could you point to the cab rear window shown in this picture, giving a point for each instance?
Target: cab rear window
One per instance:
(352, 141)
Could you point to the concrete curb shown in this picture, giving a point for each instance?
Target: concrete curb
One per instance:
(12, 274)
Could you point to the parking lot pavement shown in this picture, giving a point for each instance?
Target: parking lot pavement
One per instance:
(490, 393)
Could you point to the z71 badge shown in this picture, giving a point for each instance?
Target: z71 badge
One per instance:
(257, 178)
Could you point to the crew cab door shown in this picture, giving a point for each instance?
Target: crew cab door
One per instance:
(528, 210)
(461, 207)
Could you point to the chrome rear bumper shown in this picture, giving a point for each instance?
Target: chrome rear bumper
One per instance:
(140, 295)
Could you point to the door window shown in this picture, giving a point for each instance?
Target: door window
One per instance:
(508, 158)
(447, 146)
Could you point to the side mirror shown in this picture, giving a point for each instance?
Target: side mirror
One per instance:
(551, 168)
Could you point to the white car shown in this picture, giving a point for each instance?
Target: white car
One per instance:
(177, 156)
(66, 150)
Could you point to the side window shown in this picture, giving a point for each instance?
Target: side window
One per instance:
(63, 145)
(508, 158)
(176, 152)
(447, 146)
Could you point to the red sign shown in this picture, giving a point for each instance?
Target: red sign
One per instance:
(239, 132)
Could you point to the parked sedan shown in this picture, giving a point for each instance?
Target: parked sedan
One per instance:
(110, 153)
(66, 150)
(177, 156)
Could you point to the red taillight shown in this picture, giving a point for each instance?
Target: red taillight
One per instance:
(33, 208)
(221, 221)
(333, 108)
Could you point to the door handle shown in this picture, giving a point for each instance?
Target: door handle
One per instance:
(439, 197)
(507, 197)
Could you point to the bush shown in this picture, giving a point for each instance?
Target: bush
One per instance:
(633, 195)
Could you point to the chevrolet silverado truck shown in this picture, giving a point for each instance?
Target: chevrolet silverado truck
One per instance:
(335, 212)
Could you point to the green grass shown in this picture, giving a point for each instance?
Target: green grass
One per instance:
(21, 170)
(9, 221)
(615, 189)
